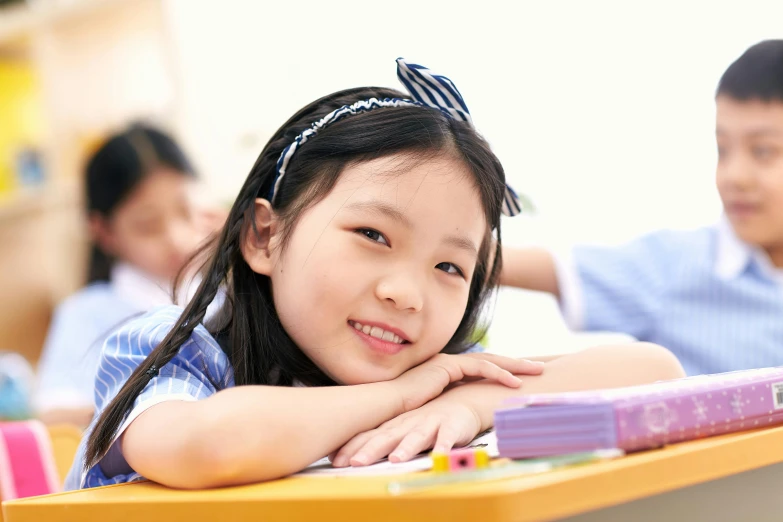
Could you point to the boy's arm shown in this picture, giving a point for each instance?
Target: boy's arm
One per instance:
(531, 269)
(618, 288)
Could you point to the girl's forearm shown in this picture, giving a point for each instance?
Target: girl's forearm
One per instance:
(600, 367)
(252, 433)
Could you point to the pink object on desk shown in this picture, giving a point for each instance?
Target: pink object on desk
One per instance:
(462, 459)
(27, 465)
(640, 417)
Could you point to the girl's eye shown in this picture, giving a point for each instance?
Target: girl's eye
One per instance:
(450, 268)
(762, 153)
(148, 228)
(373, 235)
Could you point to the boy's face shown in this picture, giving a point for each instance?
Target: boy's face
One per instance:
(749, 175)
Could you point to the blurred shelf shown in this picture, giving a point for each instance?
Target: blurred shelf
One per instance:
(18, 22)
(25, 201)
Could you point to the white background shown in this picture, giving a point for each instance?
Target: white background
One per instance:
(601, 111)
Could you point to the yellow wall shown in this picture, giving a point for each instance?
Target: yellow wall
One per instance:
(20, 114)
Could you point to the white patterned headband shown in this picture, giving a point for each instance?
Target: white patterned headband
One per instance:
(427, 90)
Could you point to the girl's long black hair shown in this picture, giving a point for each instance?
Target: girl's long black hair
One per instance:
(258, 348)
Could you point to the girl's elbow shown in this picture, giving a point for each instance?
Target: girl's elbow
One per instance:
(661, 363)
(216, 461)
(186, 458)
(215, 468)
(207, 450)
(194, 464)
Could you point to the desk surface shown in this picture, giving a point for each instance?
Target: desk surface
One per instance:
(545, 496)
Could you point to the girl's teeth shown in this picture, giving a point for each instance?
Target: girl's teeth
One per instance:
(377, 332)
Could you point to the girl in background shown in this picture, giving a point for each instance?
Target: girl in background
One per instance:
(144, 225)
(355, 263)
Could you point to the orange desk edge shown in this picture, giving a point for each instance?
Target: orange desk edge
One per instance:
(547, 496)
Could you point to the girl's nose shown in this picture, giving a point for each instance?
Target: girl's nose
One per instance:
(402, 291)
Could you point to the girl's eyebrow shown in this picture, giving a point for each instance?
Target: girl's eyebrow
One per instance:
(463, 243)
(384, 209)
(394, 213)
(761, 131)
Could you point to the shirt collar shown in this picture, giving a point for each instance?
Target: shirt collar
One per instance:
(734, 255)
(139, 288)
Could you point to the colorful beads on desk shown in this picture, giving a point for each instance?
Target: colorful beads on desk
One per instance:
(460, 459)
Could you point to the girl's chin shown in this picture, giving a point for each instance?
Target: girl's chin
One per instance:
(367, 376)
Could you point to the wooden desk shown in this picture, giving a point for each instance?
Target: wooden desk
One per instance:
(612, 486)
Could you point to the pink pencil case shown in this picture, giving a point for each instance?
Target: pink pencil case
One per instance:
(640, 417)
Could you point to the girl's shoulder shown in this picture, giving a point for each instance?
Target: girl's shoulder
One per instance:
(145, 331)
(197, 370)
(199, 359)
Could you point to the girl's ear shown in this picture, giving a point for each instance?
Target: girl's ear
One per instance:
(101, 234)
(257, 245)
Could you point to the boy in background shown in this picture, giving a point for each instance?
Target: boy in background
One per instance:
(713, 296)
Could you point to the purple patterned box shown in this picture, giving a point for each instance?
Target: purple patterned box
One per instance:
(640, 417)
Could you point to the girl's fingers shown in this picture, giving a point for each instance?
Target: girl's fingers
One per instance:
(513, 365)
(418, 440)
(526, 367)
(377, 447)
(472, 367)
(447, 437)
(343, 456)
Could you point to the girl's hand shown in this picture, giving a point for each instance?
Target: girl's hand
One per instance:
(440, 424)
(421, 384)
(443, 422)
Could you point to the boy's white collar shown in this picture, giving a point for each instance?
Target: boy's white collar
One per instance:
(733, 255)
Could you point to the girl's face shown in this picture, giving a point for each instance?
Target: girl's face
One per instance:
(155, 228)
(375, 278)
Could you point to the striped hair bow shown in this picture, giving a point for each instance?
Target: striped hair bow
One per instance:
(426, 89)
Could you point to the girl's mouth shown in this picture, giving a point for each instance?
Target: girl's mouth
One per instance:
(378, 338)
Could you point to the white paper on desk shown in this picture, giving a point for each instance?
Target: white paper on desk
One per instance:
(323, 467)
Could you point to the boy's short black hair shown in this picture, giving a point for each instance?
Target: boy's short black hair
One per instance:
(756, 75)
